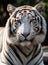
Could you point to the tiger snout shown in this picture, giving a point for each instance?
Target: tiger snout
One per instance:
(26, 34)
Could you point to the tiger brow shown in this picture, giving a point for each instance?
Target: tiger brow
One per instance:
(31, 14)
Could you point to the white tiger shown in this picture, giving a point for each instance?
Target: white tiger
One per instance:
(22, 36)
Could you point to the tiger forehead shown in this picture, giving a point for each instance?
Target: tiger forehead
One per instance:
(25, 13)
(25, 7)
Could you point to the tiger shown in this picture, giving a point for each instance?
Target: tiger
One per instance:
(22, 36)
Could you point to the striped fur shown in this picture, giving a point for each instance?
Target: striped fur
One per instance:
(18, 48)
(19, 57)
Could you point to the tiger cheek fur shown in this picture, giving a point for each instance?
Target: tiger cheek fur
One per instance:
(25, 30)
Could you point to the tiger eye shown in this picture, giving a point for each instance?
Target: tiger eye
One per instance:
(36, 29)
(14, 30)
(32, 20)
(19, 21)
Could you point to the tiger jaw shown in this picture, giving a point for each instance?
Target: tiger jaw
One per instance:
(25, 43)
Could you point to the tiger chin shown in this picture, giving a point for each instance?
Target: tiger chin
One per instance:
(22, 36)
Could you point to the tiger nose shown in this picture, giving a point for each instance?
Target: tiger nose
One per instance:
(25, 34)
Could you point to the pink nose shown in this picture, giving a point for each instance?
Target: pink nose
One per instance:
(25, 34)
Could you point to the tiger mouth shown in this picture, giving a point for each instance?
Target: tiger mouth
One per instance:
(25, 40)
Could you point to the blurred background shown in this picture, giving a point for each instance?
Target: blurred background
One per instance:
(4, 14)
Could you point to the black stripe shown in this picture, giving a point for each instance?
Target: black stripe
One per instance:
(23, 52)
(8, 60)
(38, 60)
(33, 56)
(14, 49)
(37, 53)
(8, 55)
(41, 31)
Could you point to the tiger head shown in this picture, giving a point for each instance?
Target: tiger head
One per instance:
(25, 25)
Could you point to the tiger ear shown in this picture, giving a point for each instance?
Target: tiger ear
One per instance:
(10, 8)
(40, 7)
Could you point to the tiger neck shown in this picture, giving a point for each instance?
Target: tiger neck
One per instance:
(24, 54)
(25, 50)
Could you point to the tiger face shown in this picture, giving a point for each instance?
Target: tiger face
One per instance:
(25, 26)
